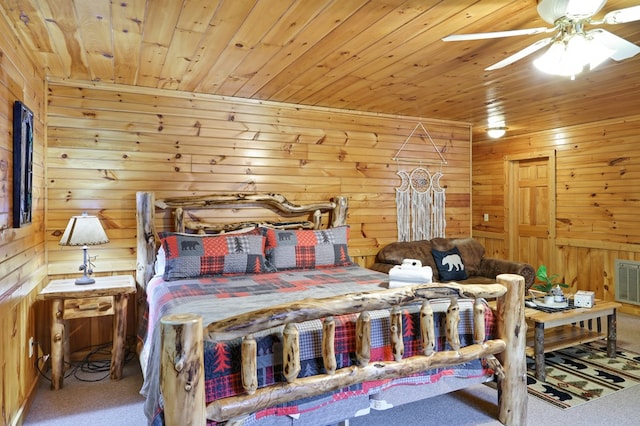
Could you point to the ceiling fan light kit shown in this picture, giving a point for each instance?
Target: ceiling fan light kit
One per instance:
(571, 48)
(570, 57)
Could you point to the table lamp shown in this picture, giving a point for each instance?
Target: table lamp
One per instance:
(83, 231)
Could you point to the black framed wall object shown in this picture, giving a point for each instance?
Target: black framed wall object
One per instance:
(22, 164)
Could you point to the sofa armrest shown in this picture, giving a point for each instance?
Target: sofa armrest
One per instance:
(492, 267)
(381, 267)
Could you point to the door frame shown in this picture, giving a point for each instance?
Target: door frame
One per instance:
(511, 185)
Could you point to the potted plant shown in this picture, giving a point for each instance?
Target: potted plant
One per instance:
(548, 285)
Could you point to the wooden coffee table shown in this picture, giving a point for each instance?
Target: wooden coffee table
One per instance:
(566, 328)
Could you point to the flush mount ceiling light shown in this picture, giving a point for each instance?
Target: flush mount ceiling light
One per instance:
(572, 49)
(496, 132)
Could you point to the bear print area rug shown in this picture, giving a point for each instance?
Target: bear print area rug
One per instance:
(582, 373)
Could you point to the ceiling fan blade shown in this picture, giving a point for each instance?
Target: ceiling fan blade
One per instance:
(552, 10)
(583, 9)
(622, 48)
(622, 16)
(497, 34)
(521, 54)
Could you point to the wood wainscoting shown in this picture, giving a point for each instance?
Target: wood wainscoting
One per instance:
(22, 250)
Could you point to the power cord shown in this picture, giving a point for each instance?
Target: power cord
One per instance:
(88, 366)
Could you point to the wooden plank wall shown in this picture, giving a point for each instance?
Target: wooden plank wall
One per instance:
(105, 142)
(597, 198)
(22, 254)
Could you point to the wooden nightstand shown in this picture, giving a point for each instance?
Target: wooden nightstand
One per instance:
(107, 296)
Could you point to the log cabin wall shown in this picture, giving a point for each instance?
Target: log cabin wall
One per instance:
(22, 250)
(105, 142)
(596, 204)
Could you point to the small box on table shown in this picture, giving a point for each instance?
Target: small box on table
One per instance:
(584, 299)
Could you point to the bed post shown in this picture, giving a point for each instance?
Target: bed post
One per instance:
(339, 213)
(182, 370)
(145, 236)
(512, 328)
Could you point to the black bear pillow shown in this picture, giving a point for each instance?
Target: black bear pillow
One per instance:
(449, 264)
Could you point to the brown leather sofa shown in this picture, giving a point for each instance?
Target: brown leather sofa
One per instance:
(479, 269)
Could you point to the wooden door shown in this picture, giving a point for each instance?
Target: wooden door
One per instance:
(530, 198)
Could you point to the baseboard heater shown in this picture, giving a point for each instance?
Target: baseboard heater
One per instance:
(627, 281)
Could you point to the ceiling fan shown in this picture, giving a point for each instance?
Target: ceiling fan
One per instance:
(572, 48)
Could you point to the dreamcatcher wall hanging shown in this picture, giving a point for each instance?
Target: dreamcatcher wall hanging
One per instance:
(420, 200)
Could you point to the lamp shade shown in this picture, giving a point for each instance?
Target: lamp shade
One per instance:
(84, 230)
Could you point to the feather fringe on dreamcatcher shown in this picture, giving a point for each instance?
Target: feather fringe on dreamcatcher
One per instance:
(420, 203)
(420, 200)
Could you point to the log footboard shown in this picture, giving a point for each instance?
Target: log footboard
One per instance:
(182, 371)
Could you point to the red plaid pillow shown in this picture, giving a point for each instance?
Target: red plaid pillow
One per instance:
(192, 256)
(307, 249)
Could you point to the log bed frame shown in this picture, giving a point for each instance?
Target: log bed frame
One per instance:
(182, 365)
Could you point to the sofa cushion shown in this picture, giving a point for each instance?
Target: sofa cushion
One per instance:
(395, 253)
(450, 264)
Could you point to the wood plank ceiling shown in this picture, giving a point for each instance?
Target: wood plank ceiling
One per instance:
(371, 55)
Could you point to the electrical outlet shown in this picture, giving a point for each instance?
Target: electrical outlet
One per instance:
(486, 217)
(31, 347)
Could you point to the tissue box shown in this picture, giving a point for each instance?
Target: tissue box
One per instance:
(584, 299)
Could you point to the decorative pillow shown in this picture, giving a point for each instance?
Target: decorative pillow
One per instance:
(307, 249)
(192, 256)
(449, 264)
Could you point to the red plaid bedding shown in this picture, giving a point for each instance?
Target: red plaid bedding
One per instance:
(221, 297)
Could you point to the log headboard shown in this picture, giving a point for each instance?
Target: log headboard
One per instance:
(185, 220)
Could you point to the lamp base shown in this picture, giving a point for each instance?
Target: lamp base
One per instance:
(85, 268)
(84, 280)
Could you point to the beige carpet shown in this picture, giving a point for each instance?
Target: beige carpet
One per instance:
(91, 403)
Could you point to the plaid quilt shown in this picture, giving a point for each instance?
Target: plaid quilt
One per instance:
(221, 297)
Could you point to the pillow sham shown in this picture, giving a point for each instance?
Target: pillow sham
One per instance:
(449, 264)
(306, 248)
(160, 262)
(193, 256)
